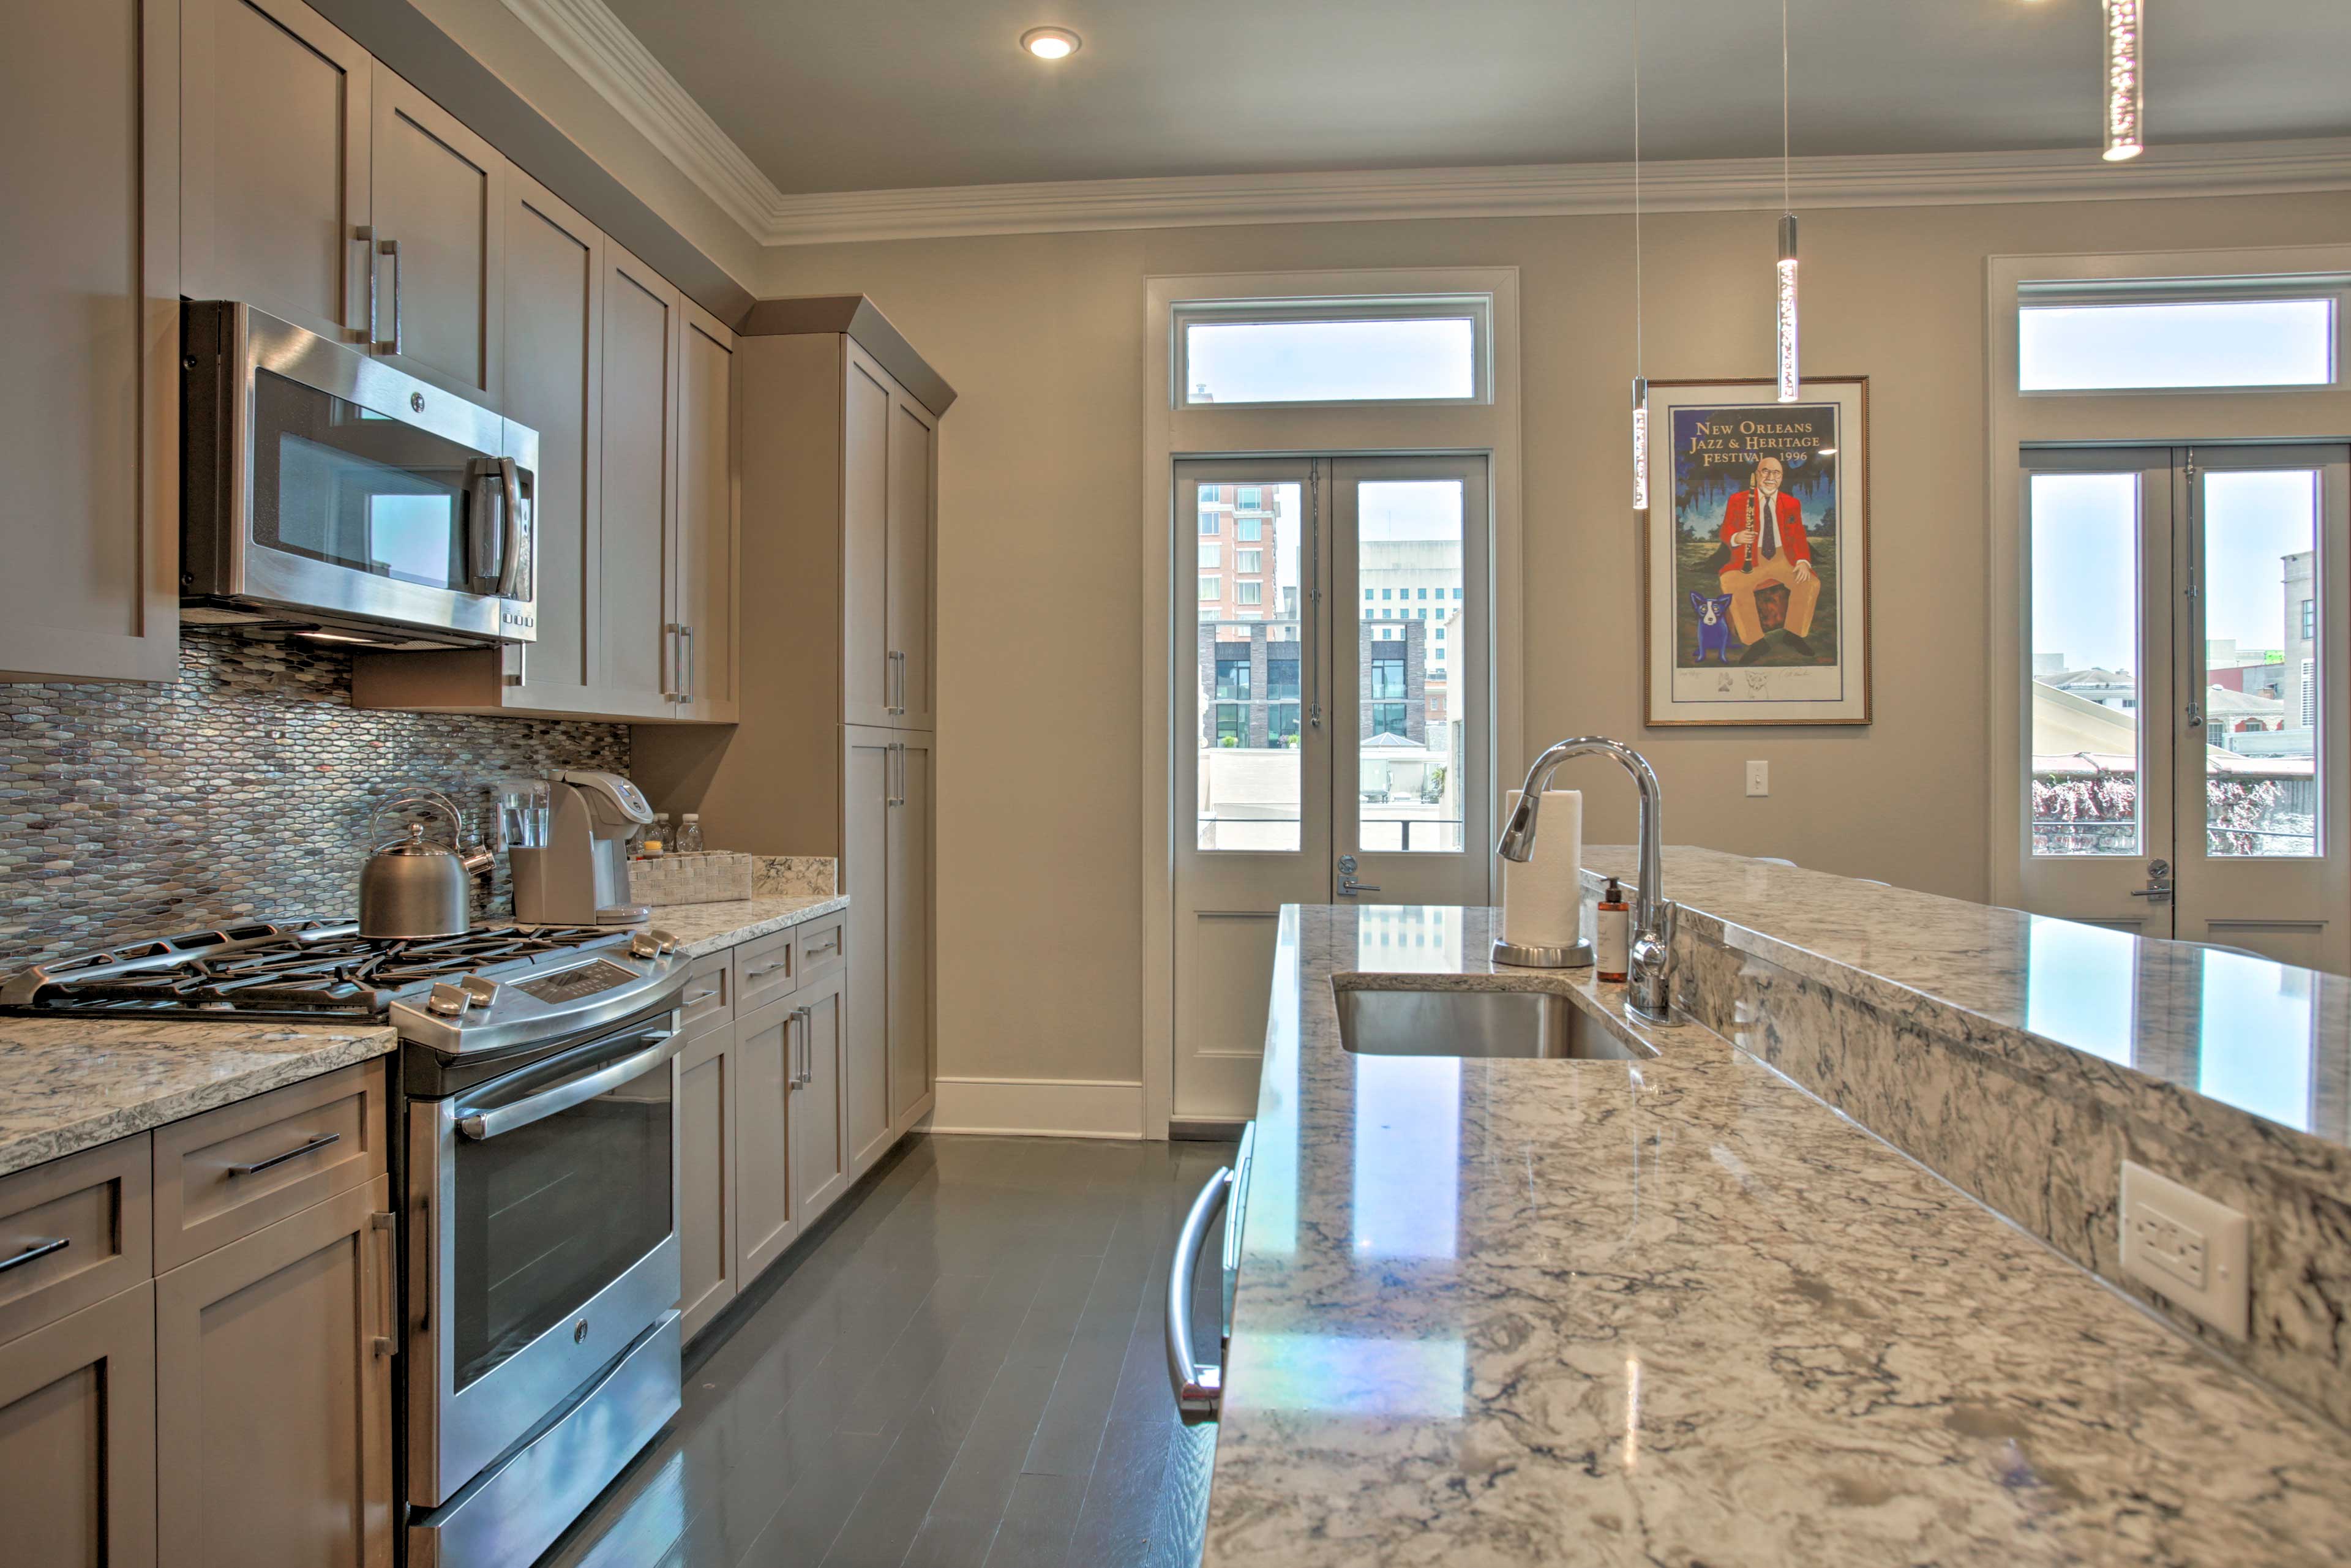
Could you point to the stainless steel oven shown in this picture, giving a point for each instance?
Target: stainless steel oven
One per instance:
(325, 491)
(542, 1286)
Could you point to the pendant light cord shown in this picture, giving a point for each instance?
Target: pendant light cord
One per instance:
(1786, 204)
(1638, 363)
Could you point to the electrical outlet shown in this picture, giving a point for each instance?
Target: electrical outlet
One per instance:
(2187, 1247)
(1758, 779)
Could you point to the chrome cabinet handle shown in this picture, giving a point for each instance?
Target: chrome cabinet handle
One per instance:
(701, 995)
(674, 655)
(806, 1016)
(391, 345)
(382, 1345)
(365, 236)
(832, 946)
(1199, 1389)
(486, 1125)
(687, 632)
(35, 1252)
(766, 968)
(320, 1142)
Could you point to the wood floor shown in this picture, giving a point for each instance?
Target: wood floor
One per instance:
(967, 1371)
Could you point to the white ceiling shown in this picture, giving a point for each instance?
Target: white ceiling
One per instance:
(853, 95)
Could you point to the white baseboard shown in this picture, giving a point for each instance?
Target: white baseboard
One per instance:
(1039, 1107)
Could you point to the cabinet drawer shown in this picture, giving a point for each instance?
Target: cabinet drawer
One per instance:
(820, 947)
(709, 996)
(229, 1172)
(72, 1232)
(765, 968)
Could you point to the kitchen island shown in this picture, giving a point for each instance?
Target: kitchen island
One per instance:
(1676, 1309)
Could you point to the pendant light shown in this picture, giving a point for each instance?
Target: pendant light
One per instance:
(1640, 365)
(1785, 294)
(2126, 31)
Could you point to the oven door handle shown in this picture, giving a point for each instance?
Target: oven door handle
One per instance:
(572, 1092)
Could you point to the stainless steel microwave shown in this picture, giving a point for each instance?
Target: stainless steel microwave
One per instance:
(326, 492)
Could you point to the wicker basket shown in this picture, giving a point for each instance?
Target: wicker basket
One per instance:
(713, 877)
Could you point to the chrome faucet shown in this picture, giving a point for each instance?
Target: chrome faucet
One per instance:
(1649, 973)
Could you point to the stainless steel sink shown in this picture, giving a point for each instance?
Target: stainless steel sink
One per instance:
(1531, 1024)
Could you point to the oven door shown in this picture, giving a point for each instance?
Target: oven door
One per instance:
(543, 1242)
(348, 490)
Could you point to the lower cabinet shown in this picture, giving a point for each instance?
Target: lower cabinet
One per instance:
(820, 1153)
(767, 1067)
(78, 1438)
(273, 1393)
(886, 867)
(707, 1216)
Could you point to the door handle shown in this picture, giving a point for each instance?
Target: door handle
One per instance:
(391, 345)
(672, 652)
(513, 550)
(382, 1223)
(296, 1153)
(806, 1019)
(2158, 883)
(1348, 885)
(364, 234)
(685, 661)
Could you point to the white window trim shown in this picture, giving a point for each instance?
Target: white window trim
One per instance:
(1173, 430)
(2015, 420)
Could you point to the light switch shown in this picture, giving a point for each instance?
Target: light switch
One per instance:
(1758, 779)
(2189, 1249)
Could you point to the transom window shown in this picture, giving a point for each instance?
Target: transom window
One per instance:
(2178, 333)
(1431, 347)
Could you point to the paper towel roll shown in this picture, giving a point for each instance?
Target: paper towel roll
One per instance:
(1543, 899)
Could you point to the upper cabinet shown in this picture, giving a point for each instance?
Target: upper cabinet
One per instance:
(89, 309)
(889, 458)
(438, 218)
(703, 554)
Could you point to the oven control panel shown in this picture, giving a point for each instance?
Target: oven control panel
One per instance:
(571, 985)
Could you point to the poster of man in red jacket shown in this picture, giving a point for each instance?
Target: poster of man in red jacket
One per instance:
(1763, 529)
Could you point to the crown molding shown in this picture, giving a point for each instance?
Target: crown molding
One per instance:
(597, 45)
(601, 47)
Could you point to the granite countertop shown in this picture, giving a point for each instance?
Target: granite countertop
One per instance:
(702, 929)
(1676, 1311)
(2250, 1054)
(67, 1084)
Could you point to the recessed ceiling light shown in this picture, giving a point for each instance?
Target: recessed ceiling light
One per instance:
(1050, 43)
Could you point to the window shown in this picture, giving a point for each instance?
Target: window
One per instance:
(1249, 560)
(1456, 593)
(2220, 332)
(1211, 553)
(1387, 670)
(1281, 723)
(1387, 718)
(1387, 593)
(1249, 593)
(1367, 594)
(1281, 679)
(1209, 524)
(1211, 588)
(1420, 614)
(1373, 349)
(1246, 498)
(1424, 593)
(2309, 618)
(1232, 723)
(1248, 529)
(1440, 637)
(1233, 674)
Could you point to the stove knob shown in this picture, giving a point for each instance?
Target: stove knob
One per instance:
(446, 1001)
(479, 992)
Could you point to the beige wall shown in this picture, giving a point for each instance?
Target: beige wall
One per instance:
(1039, 946)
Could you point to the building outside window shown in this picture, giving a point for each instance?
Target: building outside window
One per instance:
(1248, 498)
(1233, 674)
(1388, 670)
(1248, 528)
(1211, 553)
(1211, 588)
(1281, 723)
(1281, 678)
(2310, 619)
(1248, 561)
(1249, 593)
(1387, 718)
(1232, 723)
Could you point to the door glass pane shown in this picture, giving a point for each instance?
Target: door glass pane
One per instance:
(551, 1212)
(1248, 665)
(2261, 668)
(1330, 362)
(1408, 643)
(2180, 343)
(2084, 764)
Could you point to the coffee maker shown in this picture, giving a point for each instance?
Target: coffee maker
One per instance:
(577, 875)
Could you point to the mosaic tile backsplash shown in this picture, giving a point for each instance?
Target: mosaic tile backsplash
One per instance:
(238, 791)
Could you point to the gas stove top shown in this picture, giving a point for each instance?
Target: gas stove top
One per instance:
(312, 970)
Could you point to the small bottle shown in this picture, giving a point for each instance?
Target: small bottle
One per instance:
(689, 835)
(1612, 940)
(656, 837)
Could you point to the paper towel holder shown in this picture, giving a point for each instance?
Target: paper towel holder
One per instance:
(1576, 954)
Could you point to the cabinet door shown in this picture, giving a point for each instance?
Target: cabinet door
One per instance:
(868, 695)
(89, 310)
(706, 549)
(911, 1050)
(705, 1176)
(913, 469)
(766, 1061)
(273, 1392)
(438, 192)
(634, 642)
(276, 118)
(553, 363)
(77, 1437)
(868, 776)
(820, 1144)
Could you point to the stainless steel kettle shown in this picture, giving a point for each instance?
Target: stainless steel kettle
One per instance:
(412, 886)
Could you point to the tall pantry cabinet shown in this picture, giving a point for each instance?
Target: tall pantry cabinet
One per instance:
(835, 746)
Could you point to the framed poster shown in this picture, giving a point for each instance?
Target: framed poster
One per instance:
(1755, 572)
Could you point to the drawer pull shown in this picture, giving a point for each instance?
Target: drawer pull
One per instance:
(701, 996)
(832, 946)
(766, 968)
(297, 1152)
(37, 1249)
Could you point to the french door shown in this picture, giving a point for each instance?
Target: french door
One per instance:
(2185, 623)
(1335, 743)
